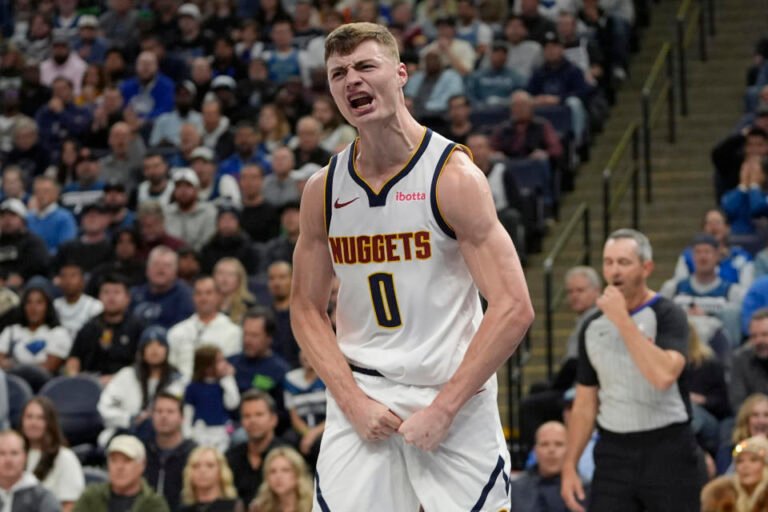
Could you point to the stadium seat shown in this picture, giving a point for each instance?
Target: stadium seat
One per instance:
(95, 475)
(486, 119)
(76, 399)
(19, 394)
(536, 176)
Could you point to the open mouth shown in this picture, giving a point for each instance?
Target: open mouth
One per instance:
(361, 100)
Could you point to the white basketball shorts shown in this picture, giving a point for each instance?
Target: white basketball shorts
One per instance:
(468, 472)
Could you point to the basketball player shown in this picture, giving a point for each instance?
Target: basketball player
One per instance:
(406, 221)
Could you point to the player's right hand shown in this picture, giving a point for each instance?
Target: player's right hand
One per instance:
(373, 421)
(571, 489)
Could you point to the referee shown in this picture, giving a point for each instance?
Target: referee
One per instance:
(632, 354)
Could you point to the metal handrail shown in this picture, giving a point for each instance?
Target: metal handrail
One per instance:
(612, 200)
(689, 17)
(552, 299)
(666, 91)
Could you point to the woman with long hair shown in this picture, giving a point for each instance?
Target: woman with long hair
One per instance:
(751, 420)
(48, 457)
(208, 483)
(745, 491)
(66, 169)
(336, 133)
(287, 486)
(274, 128)
(232, 283)
(126, 401)
(36, 346)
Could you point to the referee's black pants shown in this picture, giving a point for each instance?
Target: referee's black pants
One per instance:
(654, 471)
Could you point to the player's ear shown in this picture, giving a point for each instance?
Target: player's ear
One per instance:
(402, 74)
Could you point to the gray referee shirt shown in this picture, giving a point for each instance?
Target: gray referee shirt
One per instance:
(628, 401)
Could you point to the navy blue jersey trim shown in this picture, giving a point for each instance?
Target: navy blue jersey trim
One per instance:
(329, 193)
(380, 199)
(478, 507)
(650, 302)
(319, 495)
(433, 191)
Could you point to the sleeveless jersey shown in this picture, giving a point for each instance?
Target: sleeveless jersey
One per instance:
(407, 304)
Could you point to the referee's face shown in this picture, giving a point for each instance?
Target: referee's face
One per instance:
(623, 268)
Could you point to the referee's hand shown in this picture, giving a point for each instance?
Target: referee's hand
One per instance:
(571, 489)
(372, 420)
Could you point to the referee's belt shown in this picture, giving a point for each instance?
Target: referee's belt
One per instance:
(365, 371)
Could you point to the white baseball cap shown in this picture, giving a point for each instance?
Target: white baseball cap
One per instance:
(14, 205)
(185, 174)
(129, 446)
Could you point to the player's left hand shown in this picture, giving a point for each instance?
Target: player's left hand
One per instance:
(613, 304)
(427, 428)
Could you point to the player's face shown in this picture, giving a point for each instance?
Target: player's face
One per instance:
(622, 266)
(366, 84)
(749, 468)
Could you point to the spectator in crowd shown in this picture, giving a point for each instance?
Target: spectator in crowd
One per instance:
(580, 49)
(494, 168)
(258, 416)
(536, 24)
(190, 138)
(209, 483)
(126, 263)
(641, 412)
(60, 118)
(432, 86)
(167, 449)
(36, 346)
(274, 128)
(163, 299)
(157, 185)
(287, 483)
(54, 224)
(170, 65)
(751, 420)
(116, 207)
(704, 292)
(259, 218)
(336, 133)
(526, 135)
(10, 114)
(280, 187)
(749, 373)
(305, 401)
(232, 283)
(150, 93)
(125, 403)
(559, 82)
(538, 490)
(279, 276)
(207, 326)
(308, 150)
(215, 186)
(165, 131)
(523, 54)
(284, 61)
(454, 52)
(189, 265)
(247, 151)
(126, 489)
(63, 62)
(216, 135)
(120, 23)
(470, 28)
(492, 85)
(70, 156)
(12, 186)
(747, 202)
(74, 308)
(192, 42)
(93, 247)
(66, 17)
(20, 490)
(746, 490)
(87, 43)
(109, 341)
(188, 218)
(85, 186)
(27, 152)
(210, 397)
(105, 115)
(201, 75)
(48, 458)
(258, 367)
(124, 161)
(229, 241)
(23, 254)
(224, 88)
(459, 124)
(729, 155)
(225, 62)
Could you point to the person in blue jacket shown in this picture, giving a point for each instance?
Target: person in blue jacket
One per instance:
(150, 93)
(164, 300)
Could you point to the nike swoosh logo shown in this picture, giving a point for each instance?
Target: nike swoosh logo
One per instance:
(337, 204)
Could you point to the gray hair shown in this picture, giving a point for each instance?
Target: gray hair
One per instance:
(644, 251)
(588, 272)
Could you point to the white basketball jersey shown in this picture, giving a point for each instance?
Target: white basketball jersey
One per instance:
(407, 304)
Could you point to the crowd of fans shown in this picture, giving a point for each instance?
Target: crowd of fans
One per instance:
(153, 155)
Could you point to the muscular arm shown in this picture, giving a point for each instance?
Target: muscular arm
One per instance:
(311, 290)
(467, 206)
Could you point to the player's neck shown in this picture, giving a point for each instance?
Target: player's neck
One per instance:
(388, 145)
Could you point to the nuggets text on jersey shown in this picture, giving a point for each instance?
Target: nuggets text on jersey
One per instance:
(391, 247)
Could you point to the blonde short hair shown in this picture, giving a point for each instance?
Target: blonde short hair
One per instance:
(346, 38)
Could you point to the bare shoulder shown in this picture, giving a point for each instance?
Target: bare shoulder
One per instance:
(312, 211)
(464, 196)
